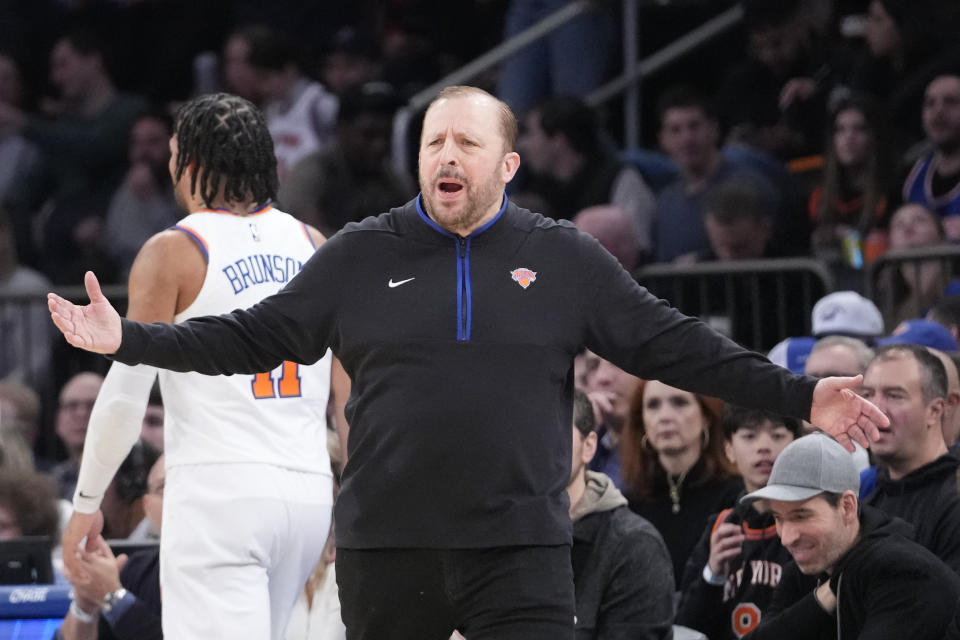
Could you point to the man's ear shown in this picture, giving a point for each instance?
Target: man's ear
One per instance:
(511, 162)
(728, 450)
(850, 506)
(935, 410)
(589, 447)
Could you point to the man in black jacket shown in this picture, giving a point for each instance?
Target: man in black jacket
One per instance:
(875, 582)
(918, 478)
(457, 317)
(622, 573)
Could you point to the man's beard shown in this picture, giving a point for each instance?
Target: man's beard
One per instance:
(478, 199)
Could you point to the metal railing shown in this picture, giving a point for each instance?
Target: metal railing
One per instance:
(906, 282)
(628, 82)
(28, 337)
(756, 302)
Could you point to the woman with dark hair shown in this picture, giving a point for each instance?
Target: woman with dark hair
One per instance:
(849, 204)
(908, 289)
(673, 465)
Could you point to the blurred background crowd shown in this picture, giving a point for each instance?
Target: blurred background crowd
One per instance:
(805, 147)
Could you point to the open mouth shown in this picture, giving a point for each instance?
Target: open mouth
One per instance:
(449, 187)
(764, 465)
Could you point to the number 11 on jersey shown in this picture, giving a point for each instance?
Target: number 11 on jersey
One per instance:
(287, 386)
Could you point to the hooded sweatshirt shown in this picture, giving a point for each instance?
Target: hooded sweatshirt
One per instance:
(887, 586)
(622, 574)
(926, 498)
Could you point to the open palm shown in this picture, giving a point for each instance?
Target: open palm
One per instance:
(839, 411)
(94, 327)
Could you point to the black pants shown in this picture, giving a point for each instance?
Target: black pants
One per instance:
(505, 593)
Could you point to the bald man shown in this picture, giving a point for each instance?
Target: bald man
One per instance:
(614, 230)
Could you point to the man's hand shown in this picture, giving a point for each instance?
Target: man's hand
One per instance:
(796, 90)
(825, 597)
(608, 410)
(81, 525)
(103, 569)
(725, 545)
(840, 412)
(95, 327)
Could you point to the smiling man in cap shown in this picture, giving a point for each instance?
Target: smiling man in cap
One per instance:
(873, 581)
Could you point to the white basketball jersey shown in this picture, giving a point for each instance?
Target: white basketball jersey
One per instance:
(276, 417)
(302, 127)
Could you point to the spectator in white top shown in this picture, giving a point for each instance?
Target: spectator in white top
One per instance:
(264, 66)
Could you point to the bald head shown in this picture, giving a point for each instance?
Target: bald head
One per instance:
(838, 356)
(614, 229)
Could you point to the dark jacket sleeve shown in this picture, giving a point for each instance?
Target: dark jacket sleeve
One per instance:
(794, 613)
(701, 603)
(138, 622)
(638, 603)
(297, 324)
(645, 336)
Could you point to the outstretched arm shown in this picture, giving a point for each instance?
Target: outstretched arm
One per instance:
(297, 324)
(166, 275)
(646, 337)
(95, 327)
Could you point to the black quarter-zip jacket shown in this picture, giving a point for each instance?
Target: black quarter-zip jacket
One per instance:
(460, 351)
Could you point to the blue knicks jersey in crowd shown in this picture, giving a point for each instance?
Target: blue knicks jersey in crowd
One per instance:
(918, 188)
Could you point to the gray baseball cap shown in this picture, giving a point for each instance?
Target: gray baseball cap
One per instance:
(809, 466)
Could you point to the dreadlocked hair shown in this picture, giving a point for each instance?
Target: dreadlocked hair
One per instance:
(226, 138)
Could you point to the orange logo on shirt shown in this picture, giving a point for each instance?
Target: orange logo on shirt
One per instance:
(523, 276)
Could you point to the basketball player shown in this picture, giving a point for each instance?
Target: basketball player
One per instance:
(249, 491)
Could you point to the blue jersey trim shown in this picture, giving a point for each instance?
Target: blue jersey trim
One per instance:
(195, 238)
(306, 230)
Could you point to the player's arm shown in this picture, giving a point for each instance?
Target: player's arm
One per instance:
(164, 279)
(315, 235)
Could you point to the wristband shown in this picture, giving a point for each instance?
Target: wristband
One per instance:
(82, 615)
(711, 578)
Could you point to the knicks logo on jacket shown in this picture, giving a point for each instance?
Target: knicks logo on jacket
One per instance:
(523, 276)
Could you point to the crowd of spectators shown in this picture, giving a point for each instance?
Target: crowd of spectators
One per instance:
(835, 135)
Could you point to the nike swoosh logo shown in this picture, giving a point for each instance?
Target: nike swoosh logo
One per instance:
(393, 284)
(83, 495)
